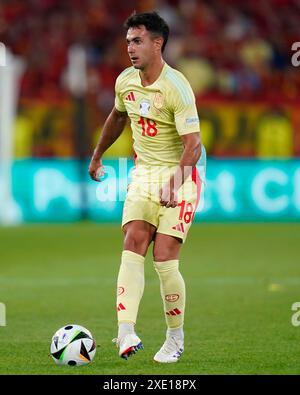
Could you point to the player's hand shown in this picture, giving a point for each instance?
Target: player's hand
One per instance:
(96, 170)
(168, 196)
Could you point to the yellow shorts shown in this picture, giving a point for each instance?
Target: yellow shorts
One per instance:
(142, 203)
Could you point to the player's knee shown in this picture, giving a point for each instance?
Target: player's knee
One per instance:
(136, 241)
(162, 254)
(166, 250)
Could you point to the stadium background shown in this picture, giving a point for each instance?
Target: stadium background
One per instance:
(237, 58)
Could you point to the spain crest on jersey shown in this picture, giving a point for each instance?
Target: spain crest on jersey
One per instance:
(158, 100)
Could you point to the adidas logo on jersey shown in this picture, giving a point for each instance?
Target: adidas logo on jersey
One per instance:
(179, 227)
(130, 97)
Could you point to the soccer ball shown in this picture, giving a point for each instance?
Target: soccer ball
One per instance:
(73, 345)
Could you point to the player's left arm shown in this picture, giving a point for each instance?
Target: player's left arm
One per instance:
(183, 104)
(188, 160)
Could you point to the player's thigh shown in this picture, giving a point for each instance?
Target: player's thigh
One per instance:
(140, 217)
(138, 235)
(166, 247)
(140, 205)
(177, 221)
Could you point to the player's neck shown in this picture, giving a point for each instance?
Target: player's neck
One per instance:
(151, 73)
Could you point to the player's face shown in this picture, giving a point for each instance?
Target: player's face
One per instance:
(141, 47)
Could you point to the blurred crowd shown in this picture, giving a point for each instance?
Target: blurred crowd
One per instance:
(228, 49)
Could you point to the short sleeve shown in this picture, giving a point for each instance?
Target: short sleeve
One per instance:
(119, 104)
(185, 110)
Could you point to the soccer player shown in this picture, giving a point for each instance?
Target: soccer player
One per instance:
(165, 188)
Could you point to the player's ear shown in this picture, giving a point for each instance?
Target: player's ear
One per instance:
(158, 43)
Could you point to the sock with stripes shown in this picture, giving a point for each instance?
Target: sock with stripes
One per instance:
(130, 285)
(172, 289)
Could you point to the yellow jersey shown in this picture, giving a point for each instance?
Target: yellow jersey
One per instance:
(159, 113)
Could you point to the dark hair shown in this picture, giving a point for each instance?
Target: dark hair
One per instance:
(152, 22)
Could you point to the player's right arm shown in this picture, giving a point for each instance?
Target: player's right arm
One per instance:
(113, 127)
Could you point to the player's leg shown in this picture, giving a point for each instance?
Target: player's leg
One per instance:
(130, 283)
(172, 287)
(172, 230)
(137, 237)
(139, 225)
(166, 251)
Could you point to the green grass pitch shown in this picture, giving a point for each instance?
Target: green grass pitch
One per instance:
(241, 280)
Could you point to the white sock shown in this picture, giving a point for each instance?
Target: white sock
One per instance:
(125, 328)
(177, 332)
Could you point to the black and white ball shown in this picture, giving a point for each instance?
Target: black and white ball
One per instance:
(73, 345)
